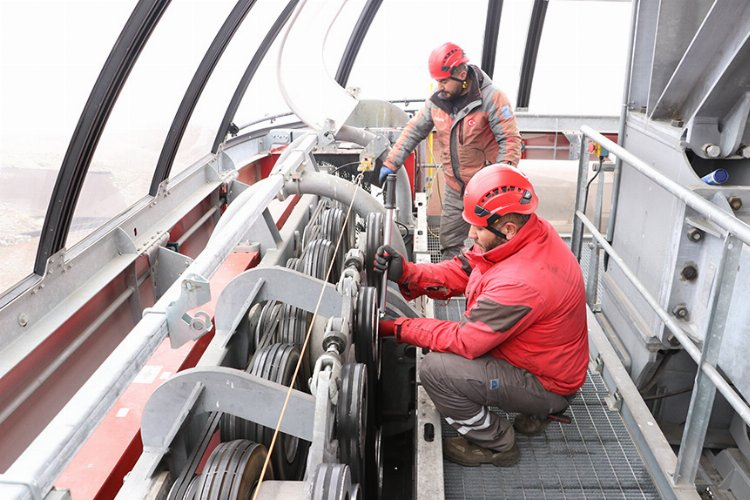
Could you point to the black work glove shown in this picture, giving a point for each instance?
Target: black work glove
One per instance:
(388, 258)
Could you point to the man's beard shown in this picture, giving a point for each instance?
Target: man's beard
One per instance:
(448, 97)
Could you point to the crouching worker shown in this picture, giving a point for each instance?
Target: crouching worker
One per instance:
(522, 344)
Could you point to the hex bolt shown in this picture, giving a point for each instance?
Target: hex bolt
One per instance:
(677, 122)
(695, 234)
(735, 202)
(23, 319)
(681, 311)
(744, 151)
(712, 150)
(689, 273)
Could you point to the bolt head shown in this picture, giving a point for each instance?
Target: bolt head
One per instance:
(735, 202)
(689, 273)
(712, 150)
(695, 234)
(681, 311)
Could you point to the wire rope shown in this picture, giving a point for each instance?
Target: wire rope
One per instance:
(357, 181)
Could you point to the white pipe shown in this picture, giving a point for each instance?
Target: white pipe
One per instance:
(339, 189)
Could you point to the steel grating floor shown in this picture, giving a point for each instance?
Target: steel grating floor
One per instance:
(591, 458)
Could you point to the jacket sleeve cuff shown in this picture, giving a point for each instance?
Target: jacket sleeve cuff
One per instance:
(397, 327)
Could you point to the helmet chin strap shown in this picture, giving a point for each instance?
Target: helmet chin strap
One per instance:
(497, 233)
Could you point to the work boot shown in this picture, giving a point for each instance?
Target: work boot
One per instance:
(460, 451)
(530, 425)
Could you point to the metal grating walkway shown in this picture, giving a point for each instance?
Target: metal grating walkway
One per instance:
(591, 458)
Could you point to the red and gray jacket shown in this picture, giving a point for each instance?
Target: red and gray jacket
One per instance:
(525, 304)
(480, 132)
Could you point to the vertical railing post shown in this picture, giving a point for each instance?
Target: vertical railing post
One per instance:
(592, 278)
(577, 236)
(704, 390)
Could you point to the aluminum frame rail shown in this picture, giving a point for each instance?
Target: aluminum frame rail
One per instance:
(708, 378)
(33, 473)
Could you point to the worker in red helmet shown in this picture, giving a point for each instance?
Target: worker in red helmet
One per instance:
(475, 126)
(522, 343)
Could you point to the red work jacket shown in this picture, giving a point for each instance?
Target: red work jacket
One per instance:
(525, 304)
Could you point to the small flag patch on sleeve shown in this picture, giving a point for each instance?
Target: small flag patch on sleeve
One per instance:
(506, 112)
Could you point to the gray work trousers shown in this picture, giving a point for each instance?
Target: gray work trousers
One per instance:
(453, 228)
(462, 389)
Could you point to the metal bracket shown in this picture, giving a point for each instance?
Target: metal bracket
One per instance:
(275, 283)
(324, 447)
(31, 487)
(201, 390)
(596, 365)
(374, 149)
(182, 327)
(326, 134)
(614, 401)
(166, 266)
(704, 225)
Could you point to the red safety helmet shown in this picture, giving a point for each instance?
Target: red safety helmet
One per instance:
(497, 190)
(444, 58)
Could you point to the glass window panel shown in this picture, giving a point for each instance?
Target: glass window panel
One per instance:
(262, 97)
(124, 162)
(217, 94)
(392, 63)
(582, 56)
(50, 56)
(511, 43)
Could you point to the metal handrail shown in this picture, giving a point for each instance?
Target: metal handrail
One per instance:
(708, 378)
(721, 384)
(694, 201)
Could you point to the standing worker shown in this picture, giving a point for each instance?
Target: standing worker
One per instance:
(522, 344)
(475, 127)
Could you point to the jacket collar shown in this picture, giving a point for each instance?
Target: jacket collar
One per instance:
(528, 233)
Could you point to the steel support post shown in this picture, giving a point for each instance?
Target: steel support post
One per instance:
(704, 390)
(577, 236)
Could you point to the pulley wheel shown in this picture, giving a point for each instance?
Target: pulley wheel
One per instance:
(247, 327)
(373, 241)
(366, 342)
(292, 263)
(276, 363)
(232, 471)
(352, 419)
(267, 331)
(182, 491)
(312, 232)
(317, 259)
(332, 482)
(377, 457)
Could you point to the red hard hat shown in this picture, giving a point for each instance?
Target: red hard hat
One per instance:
(444, 58)
(497, 190)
